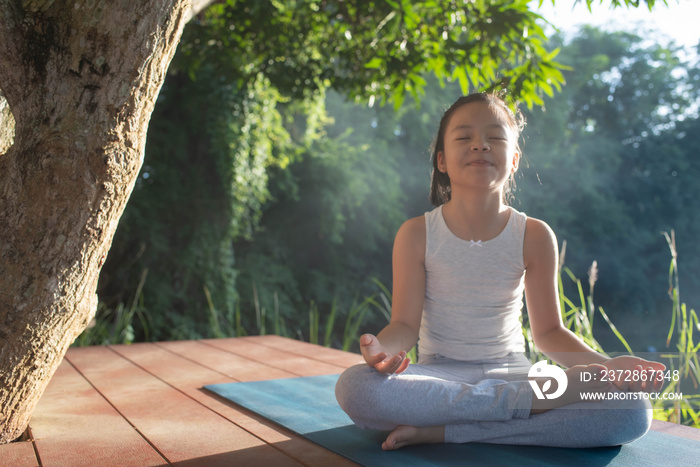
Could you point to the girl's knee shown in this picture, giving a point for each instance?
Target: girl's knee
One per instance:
(351, 386)
(631, 422)
(358, 393)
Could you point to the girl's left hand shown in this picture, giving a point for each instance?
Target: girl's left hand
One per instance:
(635, 374)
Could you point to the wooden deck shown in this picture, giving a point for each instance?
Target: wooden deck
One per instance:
(143, 404)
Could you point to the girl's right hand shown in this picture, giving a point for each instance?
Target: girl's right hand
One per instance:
(378, 358)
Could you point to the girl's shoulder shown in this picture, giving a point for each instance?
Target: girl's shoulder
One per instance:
(540, 241)
(413, 228)
(410, 239)
(537, 228)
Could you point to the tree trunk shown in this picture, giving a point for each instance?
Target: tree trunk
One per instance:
(81, 78)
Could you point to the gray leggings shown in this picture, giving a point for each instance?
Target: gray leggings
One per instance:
(486, 401)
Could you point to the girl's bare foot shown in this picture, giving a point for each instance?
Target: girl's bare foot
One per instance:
(575, 386)
(407, 435)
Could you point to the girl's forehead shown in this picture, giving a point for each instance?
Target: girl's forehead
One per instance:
(479, 114)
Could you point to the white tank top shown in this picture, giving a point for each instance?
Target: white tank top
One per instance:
(473, 292)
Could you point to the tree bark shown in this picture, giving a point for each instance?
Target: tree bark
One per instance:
(81, 78)
(7, 125)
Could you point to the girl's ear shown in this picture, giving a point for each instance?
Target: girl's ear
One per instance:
(516, 161)
(442, 167)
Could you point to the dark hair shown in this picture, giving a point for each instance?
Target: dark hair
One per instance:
(440, 188)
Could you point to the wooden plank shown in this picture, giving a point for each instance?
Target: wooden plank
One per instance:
(167, 362)
(312, 351)
(19, 454)
(225, 363)
(270, 356)
(182, 429)
(73, 425)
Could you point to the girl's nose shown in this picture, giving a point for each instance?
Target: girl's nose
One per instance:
(480, 146)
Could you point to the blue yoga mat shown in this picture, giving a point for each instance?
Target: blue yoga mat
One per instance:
(308, 407)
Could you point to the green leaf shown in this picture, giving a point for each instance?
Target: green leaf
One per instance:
(398, 96)
(376, 62)
(460, 73)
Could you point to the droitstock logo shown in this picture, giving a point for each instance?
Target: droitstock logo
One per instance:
(542, 369)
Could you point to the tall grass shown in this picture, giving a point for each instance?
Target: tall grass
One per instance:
(224, 323)
(116, 325)
(684, 322)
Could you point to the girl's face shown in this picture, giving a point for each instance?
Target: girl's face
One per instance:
(479, 148)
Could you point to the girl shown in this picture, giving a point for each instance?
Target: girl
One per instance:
(459, 276)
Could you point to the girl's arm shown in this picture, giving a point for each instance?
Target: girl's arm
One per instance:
(387, 351)
(540, 254)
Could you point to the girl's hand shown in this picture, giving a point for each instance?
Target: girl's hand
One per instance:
(379, 358)
(624, 368)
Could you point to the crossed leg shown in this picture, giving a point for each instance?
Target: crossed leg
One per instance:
(461, 402)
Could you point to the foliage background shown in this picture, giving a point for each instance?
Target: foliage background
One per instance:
(270, 194)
